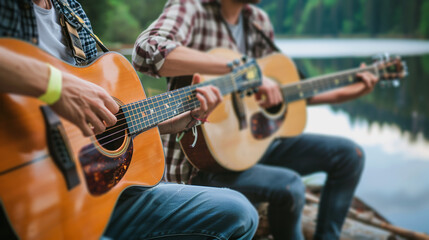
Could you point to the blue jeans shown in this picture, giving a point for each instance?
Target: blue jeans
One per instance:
(175, 211)
(276, 179)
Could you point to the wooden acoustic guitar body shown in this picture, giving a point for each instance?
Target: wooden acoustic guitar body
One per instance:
(34, 194)
(223, 146)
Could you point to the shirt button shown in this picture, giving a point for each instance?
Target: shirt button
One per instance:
(34, 40)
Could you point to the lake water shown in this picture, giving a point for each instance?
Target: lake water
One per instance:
(391, 124)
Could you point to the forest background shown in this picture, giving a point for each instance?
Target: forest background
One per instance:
(121, 21)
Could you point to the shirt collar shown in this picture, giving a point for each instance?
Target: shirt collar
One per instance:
(247, 9)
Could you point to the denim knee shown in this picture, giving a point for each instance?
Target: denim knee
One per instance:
(296, 190)
(353, 159)
(290, 194)
(237, 210)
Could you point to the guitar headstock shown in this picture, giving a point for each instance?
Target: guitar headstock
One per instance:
(246, 76)
(390, 70)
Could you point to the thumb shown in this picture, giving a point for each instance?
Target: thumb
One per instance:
(258, 95)
(196, 79)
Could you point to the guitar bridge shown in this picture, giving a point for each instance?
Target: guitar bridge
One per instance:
(59, 147)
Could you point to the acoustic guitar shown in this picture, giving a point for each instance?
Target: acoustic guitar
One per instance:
(240, 130)
(57, 184)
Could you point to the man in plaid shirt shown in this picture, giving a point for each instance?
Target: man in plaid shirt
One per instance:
(166, 211)
(175, 45)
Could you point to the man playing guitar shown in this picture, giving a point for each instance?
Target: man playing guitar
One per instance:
(176, 45)
(164, 211)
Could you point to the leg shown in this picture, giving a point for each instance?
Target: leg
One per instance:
(173, 211)
(281, 187)
(340, 158)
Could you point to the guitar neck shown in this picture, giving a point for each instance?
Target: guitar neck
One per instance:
(314, 86)
(148, 113)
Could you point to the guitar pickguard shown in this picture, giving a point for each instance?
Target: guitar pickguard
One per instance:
(263, 126)
(102, 172)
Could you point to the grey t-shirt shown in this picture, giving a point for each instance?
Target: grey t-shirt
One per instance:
(237, 32)
(51, 38)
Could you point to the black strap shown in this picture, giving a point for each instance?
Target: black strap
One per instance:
(82, 24)
(273, 45)
(265, 37)
(73, 40)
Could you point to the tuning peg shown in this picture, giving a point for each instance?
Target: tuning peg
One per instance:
(250, 92)
(396, 83)
(386, 56)
(241, 94)
(236, 62)
(405, 70)
(377, 57)
(244, 58)
(390, 83)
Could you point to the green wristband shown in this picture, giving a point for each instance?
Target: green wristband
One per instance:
(53, 91)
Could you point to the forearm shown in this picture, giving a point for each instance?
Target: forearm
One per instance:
(22, 75)
(340, 95)
(208, 97)
(185, 61)
(176, 124)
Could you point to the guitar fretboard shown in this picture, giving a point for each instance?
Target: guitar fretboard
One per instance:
(147, 113)
(314, 86)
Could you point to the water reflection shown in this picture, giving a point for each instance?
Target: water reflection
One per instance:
(406, 107)
(391, 124)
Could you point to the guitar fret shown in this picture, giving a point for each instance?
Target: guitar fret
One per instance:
(149, 112)
(314, 86)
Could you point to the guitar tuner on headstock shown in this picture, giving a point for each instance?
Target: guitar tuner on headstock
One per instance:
(233, 64)
(405, 68)
(390, 69)
(236, 62)
(381, 57)
(390, 83)
(246, 76)
(251, 91)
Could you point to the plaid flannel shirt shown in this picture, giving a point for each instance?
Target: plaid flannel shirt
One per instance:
(17, 20)
(196, 24)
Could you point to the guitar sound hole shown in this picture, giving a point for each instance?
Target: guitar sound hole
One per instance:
(274, 110)
(113, 138)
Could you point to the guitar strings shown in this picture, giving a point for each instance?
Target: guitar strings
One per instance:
(193, 101)
(225, 82)
(179, 92)
(229, 88)
(306, 86)
(220, 80)
(150, 117)
(309, 84)
(184, 92)
(94, 147)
